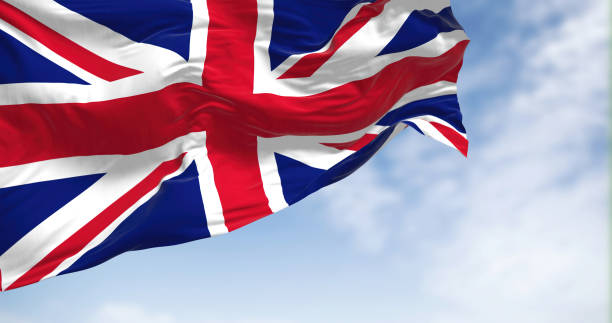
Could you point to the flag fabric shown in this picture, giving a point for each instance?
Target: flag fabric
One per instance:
(127, 125)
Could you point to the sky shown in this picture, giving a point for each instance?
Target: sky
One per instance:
(517, 232)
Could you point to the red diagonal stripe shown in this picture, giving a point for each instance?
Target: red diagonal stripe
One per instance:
(310, 63)
(353, 145)
(83, 236)
(63, 46)
(455, 138)
(337, 111)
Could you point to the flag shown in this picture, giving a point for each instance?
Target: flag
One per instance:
(127, 125)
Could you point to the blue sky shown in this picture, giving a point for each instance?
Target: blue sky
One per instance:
(518, 232)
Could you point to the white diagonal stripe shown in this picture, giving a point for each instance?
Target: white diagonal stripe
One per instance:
(41, 49)
(357, 59)
(95, 37)
(431, 131)
(161, 67)
(124, 174)
(97, 240)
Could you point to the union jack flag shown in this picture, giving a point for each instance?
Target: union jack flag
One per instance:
(127, 125)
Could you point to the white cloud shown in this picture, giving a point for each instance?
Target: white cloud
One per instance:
(536, 12)
(355, 208)
(137, 313)
(13, 318)
(519, 231)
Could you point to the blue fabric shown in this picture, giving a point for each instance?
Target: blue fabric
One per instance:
(163, 23)
(414, 126)
(444, 107)
(295, 177)
(421, 27)
(175, 214)
(300, 180)
(20, 64)
(304, 26)
(17, 214)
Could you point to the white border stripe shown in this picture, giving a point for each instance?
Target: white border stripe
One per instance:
(53, 169)
(426, 92)
(210, 195)
(270, 177)
(197, 43)
(305, 150)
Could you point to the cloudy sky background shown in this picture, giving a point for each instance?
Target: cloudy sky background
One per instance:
(518, 232)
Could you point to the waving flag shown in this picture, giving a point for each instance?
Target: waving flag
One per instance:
(134, 124)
